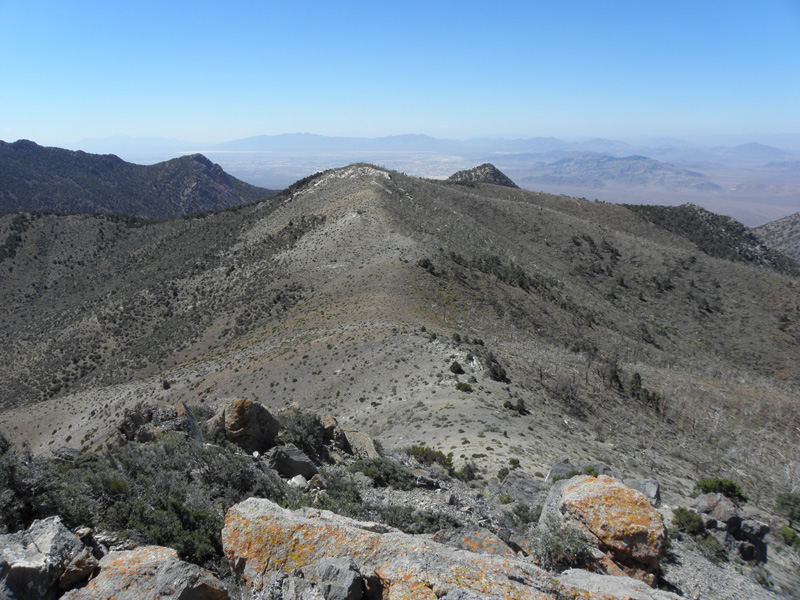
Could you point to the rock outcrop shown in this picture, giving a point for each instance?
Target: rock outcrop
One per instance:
(149, 573)
(144, 422)
(33, 561)
(618, 519)
(268, 545)
(245, 423)
(732, 528)
(289, 461)
(485, 173)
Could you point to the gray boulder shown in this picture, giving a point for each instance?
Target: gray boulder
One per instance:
(649, 487)
(720, 508)
(339, 579)
(523, 488)
(289, 461)
(33, 561)
(617, 587)
(149, 572)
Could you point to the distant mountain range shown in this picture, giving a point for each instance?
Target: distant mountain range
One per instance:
(34, 177)
(597, 170)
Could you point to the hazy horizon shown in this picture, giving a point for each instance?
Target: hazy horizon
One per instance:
(207, 73)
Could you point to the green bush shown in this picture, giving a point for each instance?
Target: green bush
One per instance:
(304, 430)
(463, 387)
(558, 547)
(716, 485)
(591, 471)
(787, 504)
(712, 549)
(788, 536)
(504, 499)
(428, 456)
(468, 472)
(385, 472)
(170, 492)
(414, 521)
(456, 368)
(688, 521)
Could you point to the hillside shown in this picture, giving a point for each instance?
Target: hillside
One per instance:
(37, 178)
(782, 235)
(356, 289)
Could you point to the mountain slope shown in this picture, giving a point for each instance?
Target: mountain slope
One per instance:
(37, 178)
(582, 328)
(782, 235)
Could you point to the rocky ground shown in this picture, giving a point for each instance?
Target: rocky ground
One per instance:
(408, 526)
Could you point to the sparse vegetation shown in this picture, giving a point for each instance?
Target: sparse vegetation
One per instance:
(717, 485)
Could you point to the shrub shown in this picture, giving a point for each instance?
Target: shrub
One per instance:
(524, 514)
(787, 505)
(456, 368)
(463, 387)
(504, 499)
(591, 471)
(385, 472)
(414, 521)
(558, 547)
(502, 473)
(788, 536)
(688, 521)
(304, 430)
(428, 456)
(716, 485)
(712, 549)
(468, 472)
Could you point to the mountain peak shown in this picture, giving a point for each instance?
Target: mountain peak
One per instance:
(485, 173)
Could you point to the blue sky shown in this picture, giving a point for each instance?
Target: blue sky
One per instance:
(207, 71)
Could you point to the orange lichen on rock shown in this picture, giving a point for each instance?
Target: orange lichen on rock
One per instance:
(260, 537)
(619, 518)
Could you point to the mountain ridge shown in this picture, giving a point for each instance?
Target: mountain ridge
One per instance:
(46, 179)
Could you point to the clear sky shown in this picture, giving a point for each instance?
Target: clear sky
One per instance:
(207, 71)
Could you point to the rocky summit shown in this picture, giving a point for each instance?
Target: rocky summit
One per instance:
(372, 385)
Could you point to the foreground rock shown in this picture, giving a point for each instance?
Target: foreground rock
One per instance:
(618, 519)
(245, 423)
(149, 573)
(266, 543)
(33, 561)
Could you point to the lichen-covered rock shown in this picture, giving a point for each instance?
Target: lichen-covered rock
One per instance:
(619, 519)
(149, 573)
(32, 561)
(474, 539)
(245, 423)
(260, 537)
